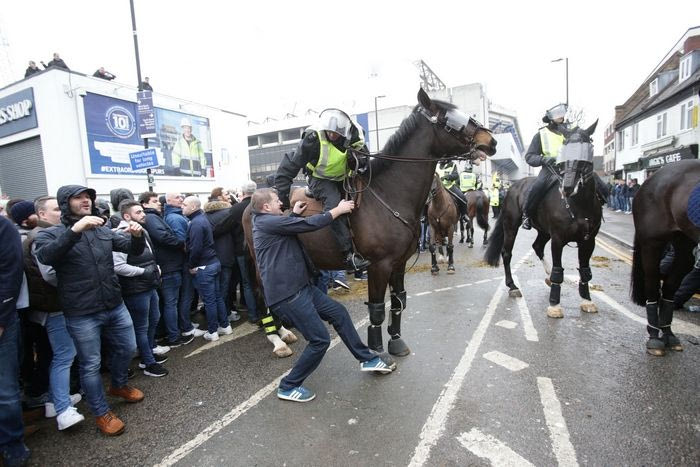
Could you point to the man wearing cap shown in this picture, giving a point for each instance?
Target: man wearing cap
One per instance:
(24, 215)
(80, 250)
(188, 153)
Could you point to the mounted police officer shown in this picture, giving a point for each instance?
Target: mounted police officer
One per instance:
(447, 171)
(468, 180)
(323, 154)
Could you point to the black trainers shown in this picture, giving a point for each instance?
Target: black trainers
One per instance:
(130, 373)
(526, 223)
(160, 359)
(155, 370)
(354, 261)
(182, 340)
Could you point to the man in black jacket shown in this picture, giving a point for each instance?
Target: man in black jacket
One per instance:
(57, 62)
(80, 250)
(216, 211)
(170, 256)
(31, 69)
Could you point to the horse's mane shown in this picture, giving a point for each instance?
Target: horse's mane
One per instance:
(399, 138)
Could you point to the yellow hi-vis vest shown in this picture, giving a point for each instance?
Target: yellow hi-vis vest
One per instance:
(494, 197)
(551, 142)
(467, 181)
(496, 181)
(332, 162)
(442, 172)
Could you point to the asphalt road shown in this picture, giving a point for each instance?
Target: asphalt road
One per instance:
(490, 380)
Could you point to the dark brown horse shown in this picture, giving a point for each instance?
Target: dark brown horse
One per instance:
(660, 211)
(386, 222)
(570, 212)
(443, 218)
(477, 206)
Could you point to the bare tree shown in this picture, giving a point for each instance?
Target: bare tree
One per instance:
(576, 116)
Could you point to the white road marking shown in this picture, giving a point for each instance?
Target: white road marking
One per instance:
(506, 361)
(504, 323)
(558, 433)
(236, 412)
(435, 425)
(239, 331)
(443, 289)
(488, 447)
(423, 293)
(678, 326)
(461, 285)
(482, 281)
(528, 327)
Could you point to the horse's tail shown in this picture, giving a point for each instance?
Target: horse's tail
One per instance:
(496, 240)
(482, 218)
(638, 293)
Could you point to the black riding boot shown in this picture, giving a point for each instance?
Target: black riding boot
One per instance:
(665, 317)
(355, 261)
(655, 346)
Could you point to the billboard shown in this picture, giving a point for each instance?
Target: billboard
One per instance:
(182, 142)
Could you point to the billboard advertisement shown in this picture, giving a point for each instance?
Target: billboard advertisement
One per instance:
(182, 143)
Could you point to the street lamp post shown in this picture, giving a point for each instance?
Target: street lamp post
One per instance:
(376, 119)
(566, 61)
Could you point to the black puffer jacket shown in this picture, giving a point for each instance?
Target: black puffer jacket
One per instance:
(170, 250)
(83, 261)
(217, 212)
(137, 273)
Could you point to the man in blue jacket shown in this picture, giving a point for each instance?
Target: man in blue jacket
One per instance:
(286, 273)
(12, 448)
(205, 268)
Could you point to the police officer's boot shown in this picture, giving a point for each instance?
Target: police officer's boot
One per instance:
(526, 222)
(355, 261)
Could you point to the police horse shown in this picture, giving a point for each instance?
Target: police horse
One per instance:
(477, 207)
(569, 213)
(443, 217)
(386, 222)
(660, 212)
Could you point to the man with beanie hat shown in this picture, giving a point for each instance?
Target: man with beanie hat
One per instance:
(80, 250)
(24, 216)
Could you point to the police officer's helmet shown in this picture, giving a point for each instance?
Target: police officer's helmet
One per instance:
(558, 111)
(337, 121)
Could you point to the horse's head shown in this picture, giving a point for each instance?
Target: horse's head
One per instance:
(576, 157)
(458, 133)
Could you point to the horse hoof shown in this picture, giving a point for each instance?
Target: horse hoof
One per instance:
(656, 347)
(398, 347)
(588, 307)
(548, 282)
(450, 270)
(434, 271)
(673, 343)
(283, 351)
(461, 240)
(471, 245)
(515, 293)
(555, 311)
(289, 338)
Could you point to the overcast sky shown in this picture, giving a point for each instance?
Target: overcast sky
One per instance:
(266, 58)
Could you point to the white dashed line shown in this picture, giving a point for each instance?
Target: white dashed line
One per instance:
(461, 285)
(528, 327)
(488, 447)
(423, 293)
(504, 323)
(506, 361)
(443, 289)
(482, 281)
(558, 433)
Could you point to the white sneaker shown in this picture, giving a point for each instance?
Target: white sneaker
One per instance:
(226, 331)
(195, 325)
(233, 316)
(160, 349)
(68, 418)
(211, 337)
(195, 332)
(50, 409)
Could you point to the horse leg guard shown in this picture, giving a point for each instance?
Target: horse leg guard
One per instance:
(377, 312)
(665, 317)
(396, 344)
(280, 347)
(434, 268)
(655, 346)
(585, 275)
(450, 259)
(556, 278)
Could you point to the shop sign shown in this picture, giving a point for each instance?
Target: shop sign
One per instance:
(17, 113)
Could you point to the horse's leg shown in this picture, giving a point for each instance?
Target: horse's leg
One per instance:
(280, 347)
(397, 346)
(378, 277)
(486, 234)
(538, 245)
(461, 229)
(450, 254)
(431, 246)
(470, 232)
(651, 256)
(509, 233)
(554, 309)
(682, 264)
(585, 250)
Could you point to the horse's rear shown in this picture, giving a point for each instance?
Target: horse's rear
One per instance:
(477, 207)
(443, 218)
(660, 212)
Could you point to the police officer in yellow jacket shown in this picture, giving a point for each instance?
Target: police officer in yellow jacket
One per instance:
(447, 171)
(188, 154)
(323, 155)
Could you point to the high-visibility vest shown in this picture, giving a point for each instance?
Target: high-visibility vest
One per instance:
(494, 197)
(332, 162)
(495, 180)
(467, 181)
(442, 172)
(189, 156)
(551, 142)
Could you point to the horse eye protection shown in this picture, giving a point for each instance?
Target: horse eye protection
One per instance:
(576, 152)
(457, 121)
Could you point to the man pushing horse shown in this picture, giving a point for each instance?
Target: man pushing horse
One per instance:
(323, 154)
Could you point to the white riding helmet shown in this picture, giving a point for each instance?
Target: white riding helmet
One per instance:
(558, 111)
(335, 120)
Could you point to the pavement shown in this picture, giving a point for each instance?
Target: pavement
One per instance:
(618, 227)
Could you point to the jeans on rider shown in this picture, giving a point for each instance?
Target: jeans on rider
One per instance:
(328, 192)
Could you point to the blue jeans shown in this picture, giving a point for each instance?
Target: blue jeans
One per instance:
(63, 354)
(87, 332)
(186, 297)
(305, 310)
(12, 448)
(247, 289)
(170, 288)
(144, 311)
(224, 283)
(322, 280)
(207, 283)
